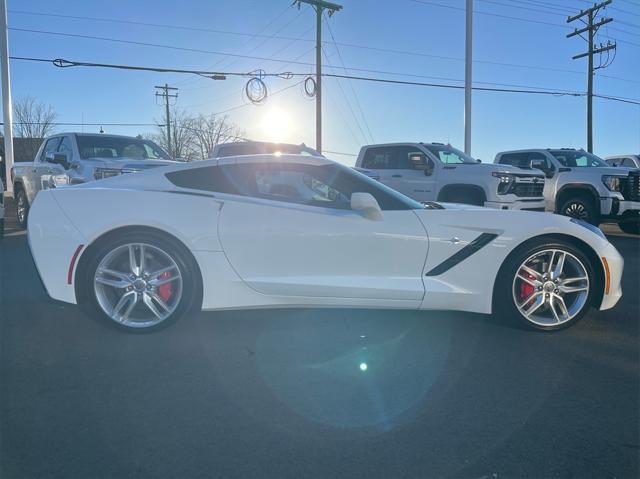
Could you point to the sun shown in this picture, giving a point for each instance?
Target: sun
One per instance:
(276, 124)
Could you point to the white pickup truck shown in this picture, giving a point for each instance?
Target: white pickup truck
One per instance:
(438, 172)
(72, 158)
(584, 186)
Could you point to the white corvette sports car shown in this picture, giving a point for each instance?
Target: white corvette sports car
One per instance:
(292, 231)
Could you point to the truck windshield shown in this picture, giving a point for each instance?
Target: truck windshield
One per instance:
(99, 146)
(578, 159)
(448, 154)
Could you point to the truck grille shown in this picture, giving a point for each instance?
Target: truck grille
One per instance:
(528, 189)
(631, 186)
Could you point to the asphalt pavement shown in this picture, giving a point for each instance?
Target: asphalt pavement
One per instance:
(315, 393)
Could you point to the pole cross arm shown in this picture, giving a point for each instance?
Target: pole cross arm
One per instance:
(582, 13)
(321, 4)
(597, 50)
(594, 27)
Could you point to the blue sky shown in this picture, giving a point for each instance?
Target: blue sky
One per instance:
(428, 31)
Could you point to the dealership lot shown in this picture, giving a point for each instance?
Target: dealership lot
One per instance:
(315, 393)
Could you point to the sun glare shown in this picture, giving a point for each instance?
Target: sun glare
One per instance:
(276, 125)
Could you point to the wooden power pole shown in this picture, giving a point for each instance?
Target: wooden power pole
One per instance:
(331, 8)
(164, 93)
(588, 17)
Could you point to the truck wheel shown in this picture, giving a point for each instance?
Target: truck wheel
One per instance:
(581, 208)
(630, 227)
(22, 208)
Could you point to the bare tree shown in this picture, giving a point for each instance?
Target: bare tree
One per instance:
(182, 135)
(193, 137)
(210, 130)
(33, 118)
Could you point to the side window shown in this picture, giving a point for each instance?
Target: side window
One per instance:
(50, 146)
(516, 159)
(66, 147)
(628, 162)
(327, 186)
(207, 178)
(380, 159)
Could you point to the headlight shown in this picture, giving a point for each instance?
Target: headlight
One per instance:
(506, 182)
(612, 182)
(589, 226)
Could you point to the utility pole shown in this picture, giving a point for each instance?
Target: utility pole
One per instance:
(164, 93)
(7, 107)
(320, 6)
(468, 62)
(591, 27)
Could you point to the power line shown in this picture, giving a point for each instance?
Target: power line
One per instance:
(330, 75)
(348, 45)
(527, 20)
(355, 95)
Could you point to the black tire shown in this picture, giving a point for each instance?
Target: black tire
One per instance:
(582, 207)
(22, 201)
(504, 287)
(189, 272)
(630, 227)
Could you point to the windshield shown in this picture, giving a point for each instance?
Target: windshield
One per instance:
(448, 154)
(578, 159)
(256, 148)
(99, 146)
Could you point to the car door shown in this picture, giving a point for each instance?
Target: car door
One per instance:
(394, 166)
(45, 169)
(292, 233)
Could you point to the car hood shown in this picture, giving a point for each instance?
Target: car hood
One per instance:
(488, 168)
(127, 163)
(609, 170)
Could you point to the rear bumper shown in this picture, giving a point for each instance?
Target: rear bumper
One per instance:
(535, 204)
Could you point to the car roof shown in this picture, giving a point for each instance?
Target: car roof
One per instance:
(93, 134)
(260, 158)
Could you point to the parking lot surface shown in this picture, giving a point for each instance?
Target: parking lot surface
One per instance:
(315, 393)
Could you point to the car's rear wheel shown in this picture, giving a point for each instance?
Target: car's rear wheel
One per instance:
(142, 282)
(22, 208)
(547, 286)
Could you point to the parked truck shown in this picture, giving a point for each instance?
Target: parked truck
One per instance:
(72, 158)
(584, 186)
(438, 172)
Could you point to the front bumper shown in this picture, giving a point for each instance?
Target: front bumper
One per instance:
(616, 209)
(527, 204)
(613, 265)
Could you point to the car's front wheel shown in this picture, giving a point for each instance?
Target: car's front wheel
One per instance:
(547, 286)
(630, 227)
(140, 282)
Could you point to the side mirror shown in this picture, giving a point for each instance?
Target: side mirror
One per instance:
(367, 204)
(58, 159)
(538, 164)
(426, 166)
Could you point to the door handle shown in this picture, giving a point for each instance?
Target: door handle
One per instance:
(396, 176)
(454, 240)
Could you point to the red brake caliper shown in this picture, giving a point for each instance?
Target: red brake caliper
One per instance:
(526, 289)
(165, 290)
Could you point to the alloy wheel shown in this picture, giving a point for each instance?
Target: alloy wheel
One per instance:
(577, 210)
(21, 208)
(551, 287)
(138, 285)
